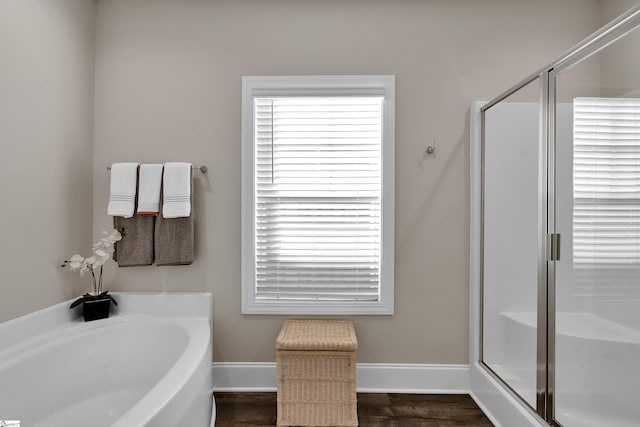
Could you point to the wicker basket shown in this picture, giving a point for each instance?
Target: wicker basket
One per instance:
(316, 362)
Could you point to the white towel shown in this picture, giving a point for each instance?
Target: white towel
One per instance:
(124, 178)
(149, 189)
(176, 190)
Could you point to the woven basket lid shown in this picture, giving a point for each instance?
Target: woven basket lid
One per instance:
(317, 335)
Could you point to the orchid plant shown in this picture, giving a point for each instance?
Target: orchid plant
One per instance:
(102, 251)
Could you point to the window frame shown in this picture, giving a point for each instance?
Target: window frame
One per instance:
(357, 85)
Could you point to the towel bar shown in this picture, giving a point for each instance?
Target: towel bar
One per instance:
(202, 168)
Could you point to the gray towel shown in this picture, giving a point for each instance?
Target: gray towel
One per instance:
(136, 246)
(174, 239)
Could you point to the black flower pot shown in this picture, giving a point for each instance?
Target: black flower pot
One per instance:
(95, 307)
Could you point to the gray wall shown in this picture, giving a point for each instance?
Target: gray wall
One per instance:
(168, 85)
(46, 118)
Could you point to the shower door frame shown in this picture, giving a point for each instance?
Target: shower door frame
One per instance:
(546, 304)
(541, 342)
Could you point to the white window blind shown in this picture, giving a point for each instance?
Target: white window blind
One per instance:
(318, 197)
(606, 179)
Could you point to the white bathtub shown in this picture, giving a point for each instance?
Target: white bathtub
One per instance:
(597, 377)
(149, 364)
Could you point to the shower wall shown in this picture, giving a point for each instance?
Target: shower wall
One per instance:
(510, 221)
(620, 77)
(511, 216)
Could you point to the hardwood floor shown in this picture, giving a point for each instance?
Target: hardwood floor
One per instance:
(374, 410)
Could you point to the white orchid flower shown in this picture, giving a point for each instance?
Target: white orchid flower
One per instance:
(75, 262)
(101, 257)
(114, 236)
(102, 251)
(108, 240)
(83, 269)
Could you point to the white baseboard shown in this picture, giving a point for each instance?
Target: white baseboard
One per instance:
(246, 377)
(412, 378)
(370, 378)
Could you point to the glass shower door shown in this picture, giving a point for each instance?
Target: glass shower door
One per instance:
(596, 322)
(511, 222)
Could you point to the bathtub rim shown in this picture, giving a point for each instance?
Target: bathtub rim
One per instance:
(624, 334)
(165, 304)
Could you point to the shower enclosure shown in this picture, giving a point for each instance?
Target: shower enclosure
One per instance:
(555, 314)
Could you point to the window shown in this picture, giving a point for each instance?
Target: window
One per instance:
(317, 195)
(606, 180)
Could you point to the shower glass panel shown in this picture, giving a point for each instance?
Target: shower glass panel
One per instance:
(510, 238)
(597, 213)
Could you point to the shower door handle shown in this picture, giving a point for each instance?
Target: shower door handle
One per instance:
(553, 247)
